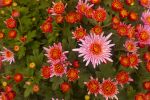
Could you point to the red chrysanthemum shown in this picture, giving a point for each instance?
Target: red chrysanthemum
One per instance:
(146, 85)
(147, 56)
(122, 29)
(115, 20)
(10, 23)
(148, 66)
(123, 13)
(133, 16)
(99, 14)
(131, 32)
(58, 8)
(72, 74)
(71, 17)
(59, 69)
(140, 96)
(134, 60)
(46, 72)
(117, 5)
(95, 1)
(89, 13)
(65, 87)
(93, 86)
(59, 18)
(97, 30)
(124, 61)
(130, 2)
(109, 89)
(46, 27)
(79, 33)
(123, 78)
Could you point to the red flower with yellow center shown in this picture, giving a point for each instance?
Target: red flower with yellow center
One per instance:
(6, 2)
(123, 13)
(117, 5)
(78, 17)
(59, 69)
(147, 56)
(46, 72)
(72, 74)
(140, 96)
(58, 8)
(71, 17)
(124, 61)
(146, 85)
(143, 36)
(59, 18)
(122, 29)
(130, 2)
(123, 78)
(99, 14)
(89, 13)
(109, 89)
(96, 30)
(133, 16)
(79, 33)
(145, 3)
(134, 60)
(83, 6)
(130, 46)
(115, 20)
(10, 23)
(148, 66)
(55, 54)
(46, 27)
(93, 86)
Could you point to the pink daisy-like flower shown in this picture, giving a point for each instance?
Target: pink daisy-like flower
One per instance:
(55, 54)
(58, 8)
(93, 86)
(7, 55)
(146, 17)
(130, 46)
(59, 69)
(123, 78)
(83, 6)
(79, 33)
(109, 89)
(95, 49)
(145, 3)
(143, 34)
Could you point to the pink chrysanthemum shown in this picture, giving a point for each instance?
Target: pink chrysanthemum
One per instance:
(59, 69)
(58, 8)
(83, 6)
(55, 54)
(109, 89)
(123, 78)
(79, 33)
(93, 86)
(95, 49)
(143, 34)
(7, 55)
(146, 17)
(145, 3)
(130, 46)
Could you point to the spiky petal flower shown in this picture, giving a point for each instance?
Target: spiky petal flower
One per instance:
(143, 34)
(59, 69)
(130, 46)
(72, 74)
(93, 86)
(146, 17)
(55, 54)
(46, 72)
(95, 49)
(145, 3)
(58, 8)
(7, 55)
(83, 6)
(134, 60)
(123, 78)
(109, 89)
(100, 14)
(79, 33)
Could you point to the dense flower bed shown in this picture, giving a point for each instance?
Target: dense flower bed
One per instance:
(74, 49)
